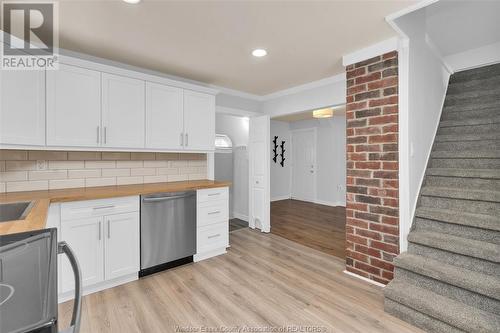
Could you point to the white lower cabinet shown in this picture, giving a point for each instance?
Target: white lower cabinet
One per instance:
(212, 222)
(105, 242)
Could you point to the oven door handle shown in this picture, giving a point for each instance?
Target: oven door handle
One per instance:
(156, 199)
(63, 247)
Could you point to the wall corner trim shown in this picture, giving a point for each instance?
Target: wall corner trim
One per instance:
(378, 284)
(371, 51)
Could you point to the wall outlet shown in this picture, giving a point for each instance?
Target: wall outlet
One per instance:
(41, 165)
(340, 188)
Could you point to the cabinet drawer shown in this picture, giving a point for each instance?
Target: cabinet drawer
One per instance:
(212, 237)
(212, 212)
(100, 207)
(212, 194)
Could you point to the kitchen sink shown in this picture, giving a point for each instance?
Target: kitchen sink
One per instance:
(14, 210)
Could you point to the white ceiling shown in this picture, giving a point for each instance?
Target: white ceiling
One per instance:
(457, 26)
(306, 115)
(211, 41)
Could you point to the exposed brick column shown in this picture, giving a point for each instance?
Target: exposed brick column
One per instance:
(372, 231)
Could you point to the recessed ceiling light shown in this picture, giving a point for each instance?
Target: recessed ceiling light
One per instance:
(132, 1)
(259, 53)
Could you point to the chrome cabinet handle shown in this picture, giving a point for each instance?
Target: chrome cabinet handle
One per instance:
(103, 207)
(213, 194)
(63, 247)
(213, 236)
(98, 132)
(214, 212)
(187, 140)
(109, 229)
(182, 139)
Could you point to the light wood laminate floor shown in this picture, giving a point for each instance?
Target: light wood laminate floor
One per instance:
(317, 226)
(263, 281)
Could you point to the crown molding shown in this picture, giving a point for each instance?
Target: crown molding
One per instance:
(371, 51)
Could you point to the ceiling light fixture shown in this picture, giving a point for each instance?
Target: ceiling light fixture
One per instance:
(323, 113)
(259, 53)
(133, 2)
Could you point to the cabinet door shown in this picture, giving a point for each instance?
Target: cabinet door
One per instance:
(164, 117)
(85, 237)
(73, 107)
(22, 107)
(121, 244)
(199, 121)
(122, 112)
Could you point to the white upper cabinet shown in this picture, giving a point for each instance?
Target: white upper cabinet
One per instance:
(199, 121)
(73, 107)
(22, 107)
(164, 117)
(122, 112)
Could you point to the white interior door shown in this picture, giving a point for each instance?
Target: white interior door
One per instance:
(304, 165)
(259, 168)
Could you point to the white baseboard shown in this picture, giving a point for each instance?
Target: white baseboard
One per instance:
(282, 197)
(69, 295)
(378, 284)
(240, 216)
(330, 203)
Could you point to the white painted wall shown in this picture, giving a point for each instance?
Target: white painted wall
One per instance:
(330, 158)
(280, 176)
(297, 100)
(427, 84)
(233, 126)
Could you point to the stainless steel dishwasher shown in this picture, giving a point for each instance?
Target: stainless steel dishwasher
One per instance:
(168, 230)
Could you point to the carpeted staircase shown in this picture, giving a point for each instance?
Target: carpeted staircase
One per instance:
(449, 279)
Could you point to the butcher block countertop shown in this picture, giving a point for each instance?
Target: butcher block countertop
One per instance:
(37, 216)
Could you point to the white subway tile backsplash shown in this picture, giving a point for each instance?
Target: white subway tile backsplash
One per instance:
(66, 165)
(66, 183)
(129, 164)
(115, 172)
(129, 180)
(20, 165)
(84, 173)
(13, 155)
(155, 179)
(92, 182)
(143, 172)
(35, 185)
(70, 169)
(34, 155)
(10, 176)
(100, 164)
(48, 174)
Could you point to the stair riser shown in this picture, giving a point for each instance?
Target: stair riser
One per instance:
(454, 154)
(470, 107)
(460, 205)
(474, 85)
(470, 129)
(490, 236)
(486, 113)
(467, 145)
(458, 182)
(464, 96)
(469, 122)
(447, 290)
(458, 260)
(468, 137)
(417, 318)
(465, 163)
(470, 101)
(482, 73)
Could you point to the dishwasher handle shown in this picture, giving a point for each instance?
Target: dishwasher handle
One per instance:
(156, 199)
(63, 247)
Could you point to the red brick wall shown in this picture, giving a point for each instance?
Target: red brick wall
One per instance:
(372, 234)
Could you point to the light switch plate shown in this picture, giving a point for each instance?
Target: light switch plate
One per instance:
(41, 165)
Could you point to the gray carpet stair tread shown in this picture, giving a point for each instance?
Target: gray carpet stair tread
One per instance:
(487, 285)
(452, 312)
(469, 121)
(473, 85)
(466, 154)
(465, 173)
(482, 221)
(494, 135)
(461, 193)
(455, 244)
